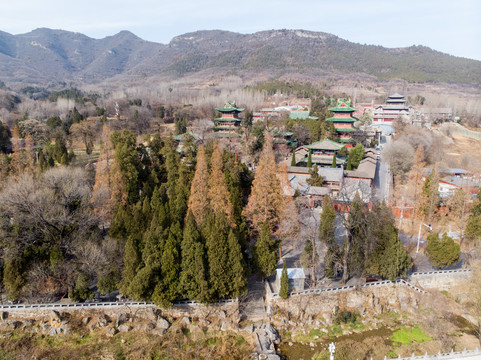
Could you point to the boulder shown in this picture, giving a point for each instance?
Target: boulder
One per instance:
(249, 328)
(3, 315)
(150, 313)
(272, 333)
(111, 331)
(185, 321)
(124, 328)
(85, 320)
(162, 323)
(102, 321)
(121, 318)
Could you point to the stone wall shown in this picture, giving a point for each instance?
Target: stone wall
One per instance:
(365, 301)
(441, 280)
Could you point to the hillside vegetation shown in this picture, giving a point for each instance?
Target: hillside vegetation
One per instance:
(44, 56)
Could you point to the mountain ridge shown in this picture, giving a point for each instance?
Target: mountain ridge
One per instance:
(47, 55)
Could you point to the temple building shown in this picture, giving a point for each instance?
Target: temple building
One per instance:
(322, 153)
(229, 122)
(343, 121)
(395, 108)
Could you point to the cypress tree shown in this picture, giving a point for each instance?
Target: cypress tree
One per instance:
(349, 166)
(188, 286)
(334, 161)
(327, 223)
(284, 290)
(392, 259)
(293, 160)
(265, 252)
(216, 232)
(204, 292)
(182, 193)
(166, 291)
(238, 278)
(131, 263)
(128, 163)
(309, 159)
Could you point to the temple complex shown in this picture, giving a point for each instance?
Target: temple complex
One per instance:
(343, 121)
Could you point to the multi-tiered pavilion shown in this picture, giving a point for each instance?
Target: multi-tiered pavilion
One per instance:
(343, 121)
(229, 122)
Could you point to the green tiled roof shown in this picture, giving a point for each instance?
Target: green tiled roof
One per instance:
(323, 159)
(325, 144)
(226, 119)
(227, 109)
(301, 115)
(225, 127)
(229, 106)
(343, 119)
(346, 108)
(345, 130)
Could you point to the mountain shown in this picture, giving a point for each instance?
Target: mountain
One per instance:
(46, 55)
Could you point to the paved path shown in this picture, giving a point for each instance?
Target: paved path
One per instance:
(252, 305)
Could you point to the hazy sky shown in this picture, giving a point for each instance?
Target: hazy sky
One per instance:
(451, 26)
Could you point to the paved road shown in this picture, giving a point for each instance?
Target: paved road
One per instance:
(382, 179)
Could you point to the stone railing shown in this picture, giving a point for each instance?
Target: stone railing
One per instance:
(318, 291)
(465, 354)
(102, 305)
(441, 272)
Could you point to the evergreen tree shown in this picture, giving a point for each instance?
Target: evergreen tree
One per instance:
(327, 225)
(442, 251)
(284, 290)
(172, 168)
(265, 252)
(309, 159)
(204, 292)
(473, 227)
(237, 267)
(13, 277)
(265, 201)
(389, 260)
(219, 196)
(333, 261)
(182, 192)
(132, 261)
(353, 251)
(334, 161)
(215, 232)
(349, 165)
(128, 163)
(188, 286)
(293, 160)
(315, 179)
(199, 189)
(430, 194)
(166, 291)
(355, 156)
